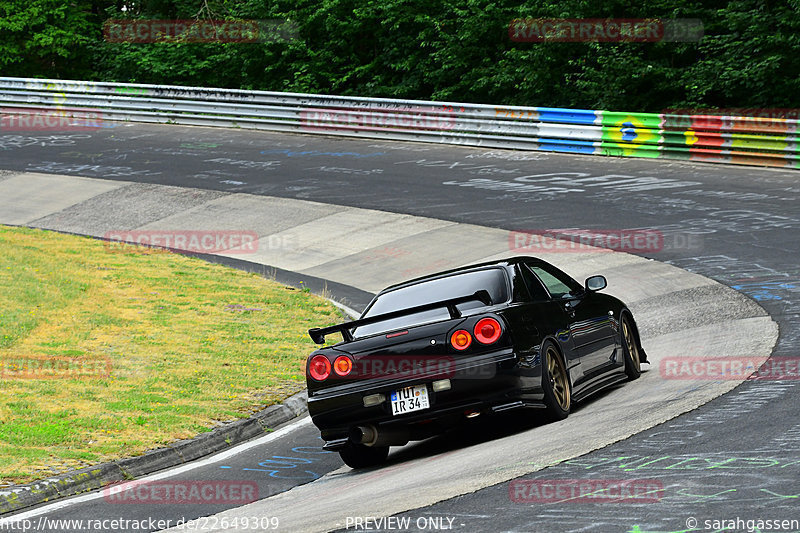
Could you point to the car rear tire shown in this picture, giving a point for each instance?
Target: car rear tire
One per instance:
(555, 382)
(356, 455)
(630, 349)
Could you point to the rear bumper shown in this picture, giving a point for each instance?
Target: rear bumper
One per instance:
(478, 383)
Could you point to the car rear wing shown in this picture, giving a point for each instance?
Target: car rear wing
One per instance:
(318, 334)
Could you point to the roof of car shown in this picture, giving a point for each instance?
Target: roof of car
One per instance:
(478, 266)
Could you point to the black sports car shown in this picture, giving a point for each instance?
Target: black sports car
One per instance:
(429, 352)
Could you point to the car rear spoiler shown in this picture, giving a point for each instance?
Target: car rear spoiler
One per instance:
(318, 334)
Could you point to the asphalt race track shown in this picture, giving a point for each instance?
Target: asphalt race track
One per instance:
(734, 457)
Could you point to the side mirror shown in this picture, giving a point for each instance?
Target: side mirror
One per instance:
(595, 283)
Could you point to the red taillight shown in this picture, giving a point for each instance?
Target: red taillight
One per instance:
(461, 339)
(342, 365)
(319, 367)
(487, 330)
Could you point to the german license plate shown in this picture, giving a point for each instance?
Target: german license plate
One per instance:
(410, 399)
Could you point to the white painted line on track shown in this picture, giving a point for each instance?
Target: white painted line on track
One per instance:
(162, 475)
(352, 313)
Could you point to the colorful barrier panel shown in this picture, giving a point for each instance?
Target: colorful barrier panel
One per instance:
(675, 134)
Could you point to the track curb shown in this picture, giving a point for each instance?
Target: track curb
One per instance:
(96, 477)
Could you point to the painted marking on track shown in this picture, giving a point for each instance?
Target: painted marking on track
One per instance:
(274, 464)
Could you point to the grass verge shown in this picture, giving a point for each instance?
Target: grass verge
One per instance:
(106, 353)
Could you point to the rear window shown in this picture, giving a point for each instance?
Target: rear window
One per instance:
(492, 280)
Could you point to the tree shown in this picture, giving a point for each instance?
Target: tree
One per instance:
(49, 38)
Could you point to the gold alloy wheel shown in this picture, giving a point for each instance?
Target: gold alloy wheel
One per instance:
(630, 343)
(559, 382)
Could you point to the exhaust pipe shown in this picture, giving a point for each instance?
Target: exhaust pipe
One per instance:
(369, 435)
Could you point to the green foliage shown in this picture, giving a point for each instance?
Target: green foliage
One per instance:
(49, 38)
(432, 49)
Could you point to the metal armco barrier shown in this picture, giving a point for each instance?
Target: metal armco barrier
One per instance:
(710, 138)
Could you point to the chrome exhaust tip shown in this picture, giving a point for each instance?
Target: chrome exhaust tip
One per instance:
(369, 435)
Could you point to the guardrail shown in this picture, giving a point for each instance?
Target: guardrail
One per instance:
(702, 137)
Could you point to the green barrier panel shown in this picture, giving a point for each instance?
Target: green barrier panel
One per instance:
(683, 153)
(763, 142)
(628, 150)
(678, 138)
(652, 121)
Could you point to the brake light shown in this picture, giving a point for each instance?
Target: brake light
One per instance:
(342, 365)
(319, 367)
(487, 330)
(461, 339)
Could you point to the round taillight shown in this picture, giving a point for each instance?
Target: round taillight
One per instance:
(461, 339)
(342, 365)
(319, 367)
(487, 330)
